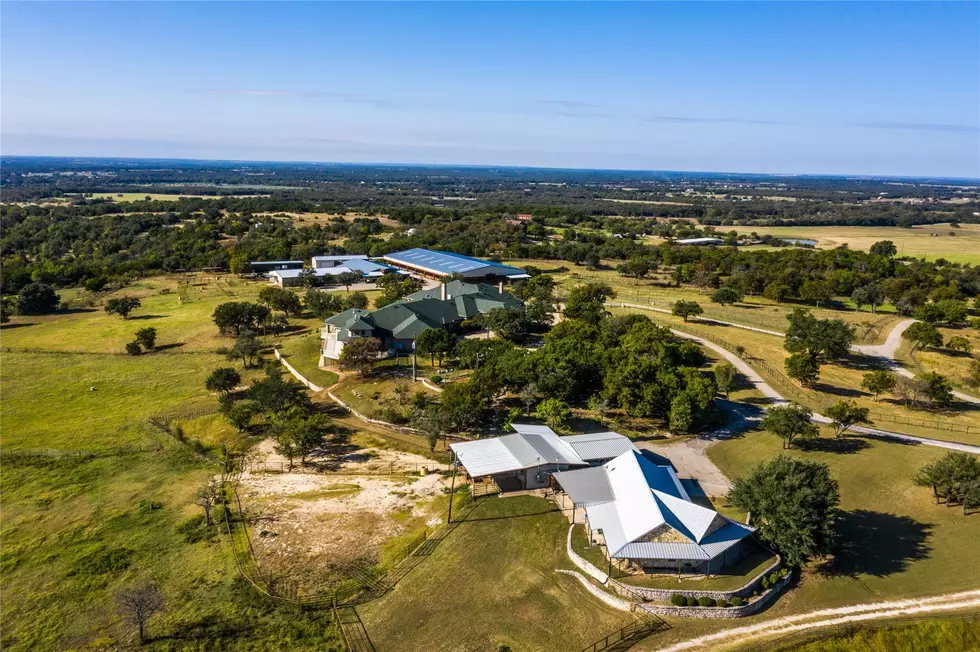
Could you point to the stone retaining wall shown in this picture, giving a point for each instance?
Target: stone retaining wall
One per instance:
(715, 613)
(297, 375)
(664, 594)
(392, 426)
(583, 563)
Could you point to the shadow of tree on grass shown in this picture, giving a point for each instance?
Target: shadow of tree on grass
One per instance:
(878, 544)
(843, 445)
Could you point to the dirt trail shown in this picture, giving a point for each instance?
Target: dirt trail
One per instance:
(829, 618)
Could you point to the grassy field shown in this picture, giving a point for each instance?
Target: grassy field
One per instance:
(181, 313)
(896, 541)
(754, 311)
(953, 364)
(156, 196)
(372, 395)
(930, 241)
(953, 635)
(77, 529)
(491, 583)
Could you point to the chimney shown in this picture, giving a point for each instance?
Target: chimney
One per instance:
(500, 286)
(442, 291)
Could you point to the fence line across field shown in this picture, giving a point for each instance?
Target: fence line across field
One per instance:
(391, 469)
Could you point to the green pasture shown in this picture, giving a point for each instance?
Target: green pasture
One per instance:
(895, 540)
(78, 529)
(492, 582)
(950, 635)
(929, 241)
(179, 311)
(758, 312)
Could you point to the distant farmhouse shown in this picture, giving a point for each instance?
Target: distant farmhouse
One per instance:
(266, 266)
(398, 324)
(325, 267)
(699, 242)
(441, 265)
(635, 506)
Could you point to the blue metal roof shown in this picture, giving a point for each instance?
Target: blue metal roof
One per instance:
(443, 262)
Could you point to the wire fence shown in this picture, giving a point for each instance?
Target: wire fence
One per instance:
(625, 637)
(794, 639)
(52, 453)
(389, 469)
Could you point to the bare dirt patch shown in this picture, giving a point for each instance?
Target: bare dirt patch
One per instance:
(307, 528)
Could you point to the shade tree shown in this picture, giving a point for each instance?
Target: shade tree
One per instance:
(122, 306)
(686, 309)
(789, 423)
(878, 382)
(360, 354)
(794, 504)
(822, 339)
(235, 316)
(845, 414)
(726, 296)
(37, 299)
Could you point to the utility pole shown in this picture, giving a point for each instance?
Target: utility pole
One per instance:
(414, 377)
(452, 491)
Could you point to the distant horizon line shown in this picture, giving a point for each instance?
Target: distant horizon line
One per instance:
(484, 166)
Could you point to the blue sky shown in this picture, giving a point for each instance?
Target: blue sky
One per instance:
(804, 87)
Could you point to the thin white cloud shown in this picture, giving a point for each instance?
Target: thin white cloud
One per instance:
(919, 126)
(351, 98)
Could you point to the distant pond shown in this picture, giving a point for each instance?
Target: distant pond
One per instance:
(800, 241)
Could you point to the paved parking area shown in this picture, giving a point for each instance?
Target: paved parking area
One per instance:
(691, 463)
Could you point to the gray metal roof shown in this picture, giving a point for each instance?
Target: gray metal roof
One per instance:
(600, 445)
(646, 498)
(343, 257)
(586, 486)
(531, 429)
(513, 452)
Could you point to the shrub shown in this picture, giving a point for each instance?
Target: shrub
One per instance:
(737, 602)
(102, 561)
(391, 415)
(194, 530)
(705, 602)
(678, 600)
(436, 378)
(765, 583)
(783, 572)
(133, 348)
(774, 578)
(724, 603)
(692, 602)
